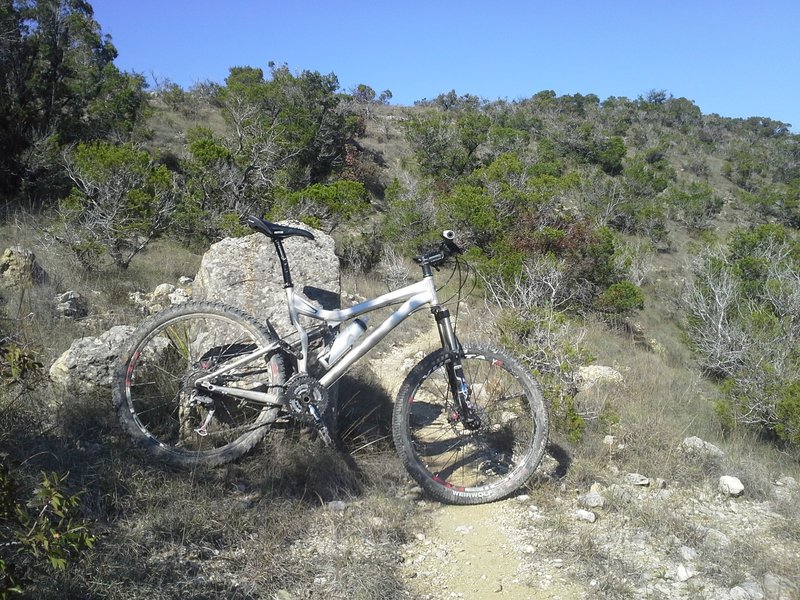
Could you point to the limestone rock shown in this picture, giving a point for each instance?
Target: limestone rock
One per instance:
(71, 304)
(730, 486)
(620, 493)
(89, 360)
(694, 445)
(716, 540)
(164, 296)
(585, 515)
(738, 593)
(780, 588)
(683, 573)
(636, 479)
(18, 268)
(591, 375)
(754, 590)
(244, 272)
(592, 500)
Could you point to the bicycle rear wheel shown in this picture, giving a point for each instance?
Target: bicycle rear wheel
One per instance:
(154, 392)
(459, 465)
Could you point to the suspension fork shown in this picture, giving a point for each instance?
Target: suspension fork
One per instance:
(459, 386)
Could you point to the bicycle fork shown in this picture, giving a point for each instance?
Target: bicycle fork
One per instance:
(464, 411)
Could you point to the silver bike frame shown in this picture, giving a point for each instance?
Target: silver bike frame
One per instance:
(415, 296)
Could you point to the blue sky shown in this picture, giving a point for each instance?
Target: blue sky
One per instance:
(736, 58)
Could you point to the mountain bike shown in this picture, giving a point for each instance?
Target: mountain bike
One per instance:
(201, 383)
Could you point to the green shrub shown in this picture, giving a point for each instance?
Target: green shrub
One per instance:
(324, 203)
(121, 200)
(621, 297)
(17, 363)
(788, 413)
(694, 205)
(43, 532)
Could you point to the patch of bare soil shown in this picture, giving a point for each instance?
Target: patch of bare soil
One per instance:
(476, 552)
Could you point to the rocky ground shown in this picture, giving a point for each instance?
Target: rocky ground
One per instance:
(631, 537)
(521, 548)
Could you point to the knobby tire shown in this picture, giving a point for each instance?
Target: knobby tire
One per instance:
(152, 384)
(453, 463)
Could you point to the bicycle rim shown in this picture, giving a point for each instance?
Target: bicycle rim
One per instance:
(164, 403)
(463, 465)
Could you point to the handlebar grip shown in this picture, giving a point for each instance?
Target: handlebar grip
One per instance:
(448, 235)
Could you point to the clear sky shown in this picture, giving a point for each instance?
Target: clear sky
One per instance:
(737, 58)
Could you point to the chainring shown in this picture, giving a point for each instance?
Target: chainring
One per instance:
(308, 402)
(301, 392)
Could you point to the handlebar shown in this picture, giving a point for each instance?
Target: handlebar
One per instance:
(446, 249)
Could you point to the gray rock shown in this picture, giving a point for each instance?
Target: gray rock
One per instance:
(779, 588)
(621, 493)
(683, 573)
(89, 360)
(18, 268)
(716, 540)
(694, 445)
(164, 289)
(71, 304)
(245, 273)
(164, 296)
(787, 482)
(636, 479)
(687, 553)
(738, 593)
(585, 515)
(592, 500)
(730, 486)
(753, 589)
(591, 375)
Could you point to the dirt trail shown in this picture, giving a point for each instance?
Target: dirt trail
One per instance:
(470, 551)
(473, 552)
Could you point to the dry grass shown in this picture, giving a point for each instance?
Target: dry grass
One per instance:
(261, 528)
(661, 402)
(254, 529)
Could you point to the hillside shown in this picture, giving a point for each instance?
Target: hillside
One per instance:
(639, 235)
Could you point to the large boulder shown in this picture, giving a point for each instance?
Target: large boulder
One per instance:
(245, 273)
(242, 272)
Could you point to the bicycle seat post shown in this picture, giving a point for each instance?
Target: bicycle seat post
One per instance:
(287, 276)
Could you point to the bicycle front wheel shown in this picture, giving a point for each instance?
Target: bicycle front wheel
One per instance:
(458, 464)
(161, 408)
